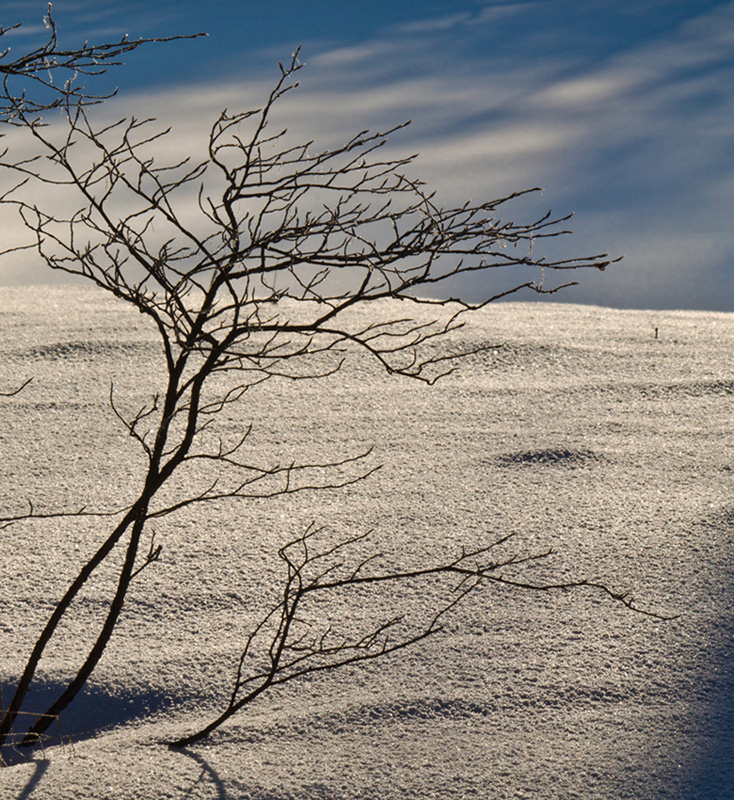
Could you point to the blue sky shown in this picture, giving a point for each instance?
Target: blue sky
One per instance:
(623, 112)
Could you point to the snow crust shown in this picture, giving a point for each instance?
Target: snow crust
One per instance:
(587, 432)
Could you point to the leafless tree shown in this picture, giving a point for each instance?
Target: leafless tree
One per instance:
(50, 75)
(285, 645)
(289, 242)
(17, 390)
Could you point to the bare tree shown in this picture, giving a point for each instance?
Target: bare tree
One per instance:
(50, 75)
(17, 390)
(286, 646)
(288, 243)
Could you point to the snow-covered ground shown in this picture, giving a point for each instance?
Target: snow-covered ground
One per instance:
(586, 432)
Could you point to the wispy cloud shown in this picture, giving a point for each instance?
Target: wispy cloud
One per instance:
(434, 24)
(496, 12)
(637, 141)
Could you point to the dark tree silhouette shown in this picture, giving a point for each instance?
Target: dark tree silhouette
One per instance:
(51, 75)
(289, 242)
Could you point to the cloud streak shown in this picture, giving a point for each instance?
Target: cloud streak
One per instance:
(637, 142)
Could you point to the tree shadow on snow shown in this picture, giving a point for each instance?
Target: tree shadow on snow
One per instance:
(711, 777)
(210, 786)
(95, 709)
(207, 777)
(40, 768)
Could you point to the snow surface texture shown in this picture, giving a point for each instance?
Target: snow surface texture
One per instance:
(584, 432)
